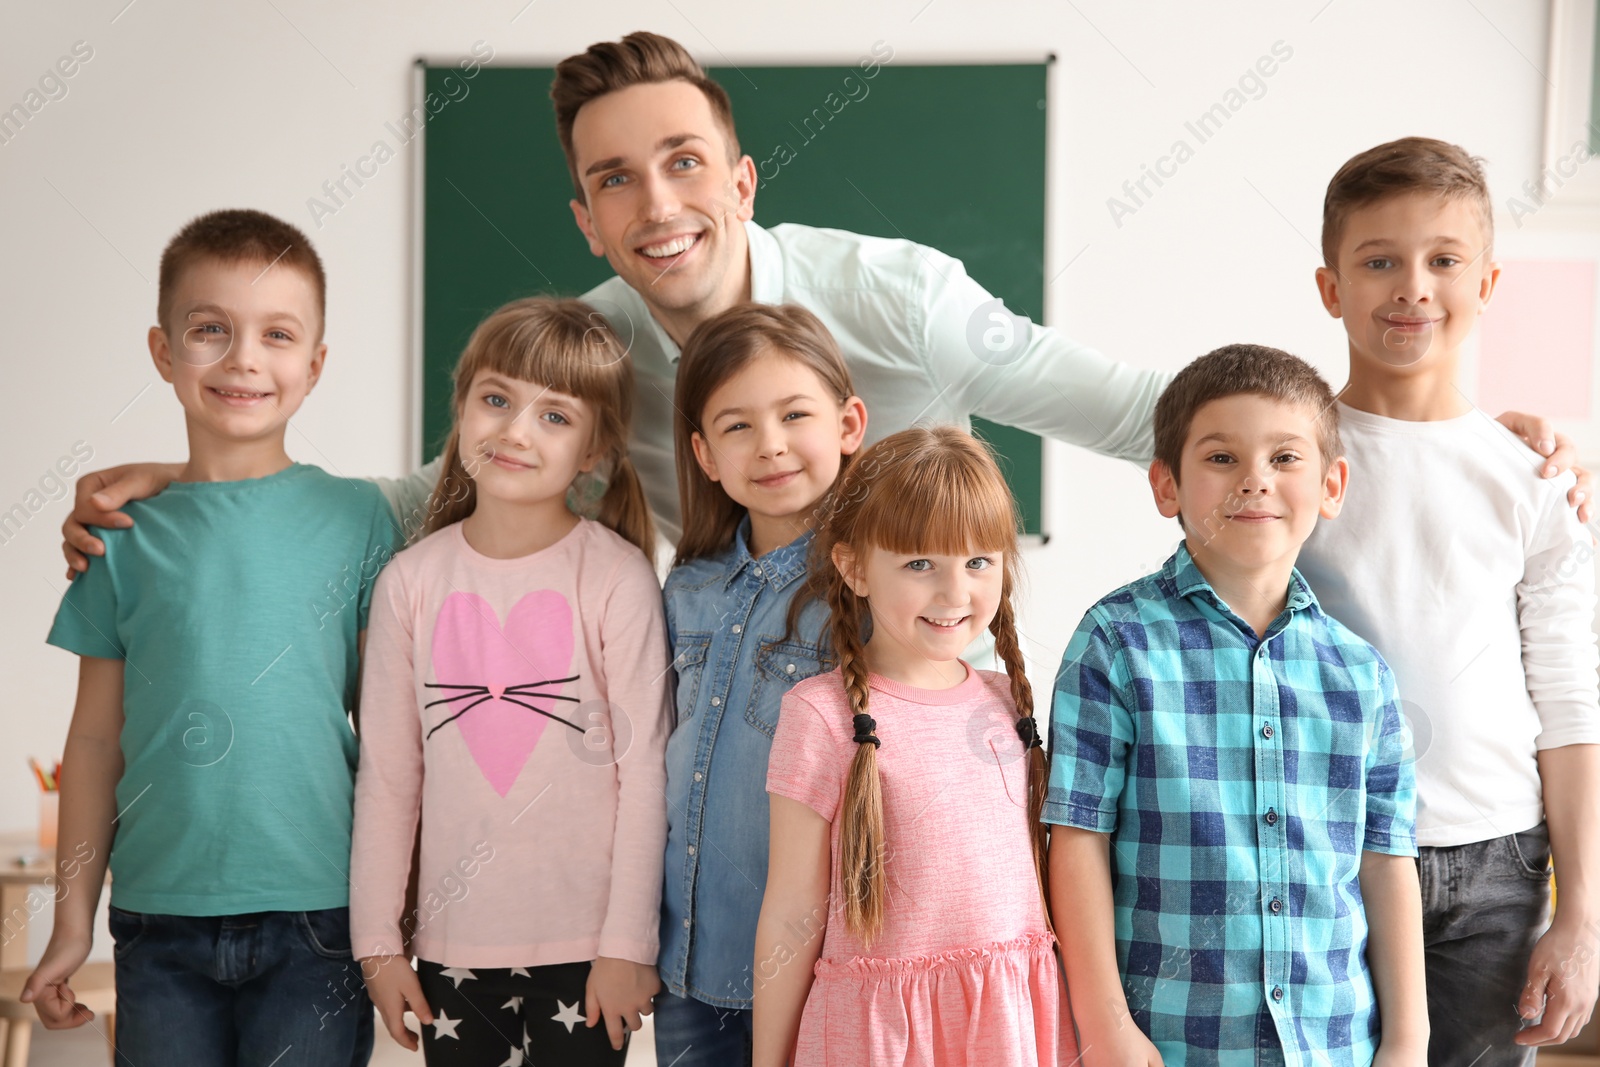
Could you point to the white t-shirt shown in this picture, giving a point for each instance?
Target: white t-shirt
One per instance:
(1474, 579)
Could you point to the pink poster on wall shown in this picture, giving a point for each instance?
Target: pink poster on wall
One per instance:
(1536, 349)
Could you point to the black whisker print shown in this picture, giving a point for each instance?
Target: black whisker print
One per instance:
(480, 694)
(476, 691)
(546, 714)
(457, 715)
(542, 696)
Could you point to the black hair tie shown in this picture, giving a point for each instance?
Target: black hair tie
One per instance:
(865, 725)
(1028, 730)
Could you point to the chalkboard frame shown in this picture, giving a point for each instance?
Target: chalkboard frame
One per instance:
(1022, 454)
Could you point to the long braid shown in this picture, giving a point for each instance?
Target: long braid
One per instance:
(1004, 628)
(861, 834)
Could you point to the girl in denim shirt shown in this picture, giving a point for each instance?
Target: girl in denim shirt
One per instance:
(767, 419)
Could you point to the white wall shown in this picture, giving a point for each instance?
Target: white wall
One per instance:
(187, 107)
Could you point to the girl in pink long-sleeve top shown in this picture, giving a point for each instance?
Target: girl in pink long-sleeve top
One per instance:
(514, 698)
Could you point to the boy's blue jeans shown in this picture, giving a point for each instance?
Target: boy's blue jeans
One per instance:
(691, 1033)
(1484, 906)
(271, 988)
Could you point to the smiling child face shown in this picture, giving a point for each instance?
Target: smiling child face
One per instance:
(1252, 483)
(1412, 276)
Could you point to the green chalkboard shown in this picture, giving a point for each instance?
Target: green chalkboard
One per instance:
(948, 156)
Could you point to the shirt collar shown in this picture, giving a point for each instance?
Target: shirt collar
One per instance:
(766, 265)
(1180, 569)
(766, 282)
(779, 568)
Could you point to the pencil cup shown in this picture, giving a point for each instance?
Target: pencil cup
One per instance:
(49, 817)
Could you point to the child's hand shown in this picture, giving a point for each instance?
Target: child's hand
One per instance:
(1563, 980)
(46, 988)
(393, 987)
(619, 991)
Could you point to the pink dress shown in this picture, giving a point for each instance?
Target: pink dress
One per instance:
(965, 970)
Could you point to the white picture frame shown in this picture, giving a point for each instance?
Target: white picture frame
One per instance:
(1566, 193)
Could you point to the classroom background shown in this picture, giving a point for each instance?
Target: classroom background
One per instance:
(173, 109)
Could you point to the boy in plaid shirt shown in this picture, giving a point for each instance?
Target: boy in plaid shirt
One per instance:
(1232, 800)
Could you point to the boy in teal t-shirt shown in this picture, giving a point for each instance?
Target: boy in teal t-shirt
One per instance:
(211, 752)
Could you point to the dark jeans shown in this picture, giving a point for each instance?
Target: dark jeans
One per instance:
(1484, 906)
(271, 988)
(493, 1016)
(692, 1033)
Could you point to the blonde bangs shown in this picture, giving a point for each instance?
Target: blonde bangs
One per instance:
(945, 497)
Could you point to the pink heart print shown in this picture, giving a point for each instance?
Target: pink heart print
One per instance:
(501, 685)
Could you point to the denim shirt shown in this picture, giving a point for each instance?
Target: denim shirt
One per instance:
(726, 617)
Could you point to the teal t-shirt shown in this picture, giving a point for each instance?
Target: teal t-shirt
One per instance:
(236, 607)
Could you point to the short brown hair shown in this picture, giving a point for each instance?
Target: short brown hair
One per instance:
(1409, 165)
(240, 235)
(640, 58)
(719, 348)
(1237, 369)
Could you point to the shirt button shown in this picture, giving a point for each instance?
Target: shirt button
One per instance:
(691, 850)
(789, 669)
(716, 702)
(1276, 906)
(699, 777)
(737, 628)
(1272, 817)
(757, 571)
(686, 924)
(1277, 990)
(1267, 731)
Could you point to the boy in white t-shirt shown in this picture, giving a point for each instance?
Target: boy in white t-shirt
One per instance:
(1475, 581)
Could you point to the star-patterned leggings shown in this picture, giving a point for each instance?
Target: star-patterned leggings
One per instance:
(498, 1017)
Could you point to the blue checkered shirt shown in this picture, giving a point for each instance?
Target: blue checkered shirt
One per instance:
(1240, 779)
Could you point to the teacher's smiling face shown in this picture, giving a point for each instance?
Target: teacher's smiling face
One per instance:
(663, 200)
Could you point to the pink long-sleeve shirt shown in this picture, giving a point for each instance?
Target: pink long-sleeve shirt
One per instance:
(520, 706)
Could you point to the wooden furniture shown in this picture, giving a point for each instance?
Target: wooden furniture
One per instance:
(23, 868)
(95, 987)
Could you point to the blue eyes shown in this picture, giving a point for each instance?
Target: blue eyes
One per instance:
(495, 400)
(611, 181)
(217, 329)
(976, 563)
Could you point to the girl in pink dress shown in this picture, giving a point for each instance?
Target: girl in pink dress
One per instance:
(904, 918)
